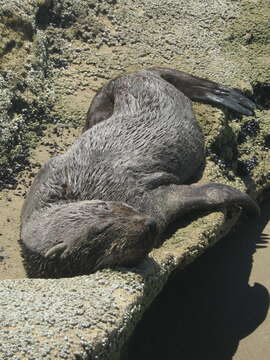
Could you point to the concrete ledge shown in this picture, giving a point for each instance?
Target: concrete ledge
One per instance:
(91, 317)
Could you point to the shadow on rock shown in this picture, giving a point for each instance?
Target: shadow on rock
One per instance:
(205, 310)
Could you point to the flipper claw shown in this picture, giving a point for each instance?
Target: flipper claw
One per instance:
(56, 250)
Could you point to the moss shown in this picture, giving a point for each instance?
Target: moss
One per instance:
(25, 90)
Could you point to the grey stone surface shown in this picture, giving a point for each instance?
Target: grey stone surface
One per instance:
(90, 317)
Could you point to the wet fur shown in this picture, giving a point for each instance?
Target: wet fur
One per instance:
(107, 200)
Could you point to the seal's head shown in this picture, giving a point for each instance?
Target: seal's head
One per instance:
(82, 237)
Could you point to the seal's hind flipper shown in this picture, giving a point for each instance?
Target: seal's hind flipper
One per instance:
(101, 107)
(207, 91)
(222, 95)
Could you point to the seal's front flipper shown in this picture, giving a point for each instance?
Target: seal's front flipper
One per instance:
(56, 250)
(207, 91)
(80, 237)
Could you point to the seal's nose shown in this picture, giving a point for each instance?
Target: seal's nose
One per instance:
(152, 225)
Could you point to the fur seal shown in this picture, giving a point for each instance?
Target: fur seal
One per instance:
(108, 199)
